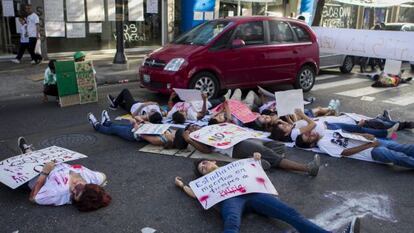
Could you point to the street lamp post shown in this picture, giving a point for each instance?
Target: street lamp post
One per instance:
(120, 57)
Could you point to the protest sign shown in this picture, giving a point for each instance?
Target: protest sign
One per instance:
(354, 137)
(239, 110)
(392, 67)
(288, 101)
(237, 178)
(153, 129)
(20, 169)
(188, 95)
(88, 91)
(95, 10)
(224, 136)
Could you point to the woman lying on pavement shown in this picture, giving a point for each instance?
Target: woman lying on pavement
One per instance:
(268, 205)
(273, 153)
(60, 184)
(127, 131)
(180, 112)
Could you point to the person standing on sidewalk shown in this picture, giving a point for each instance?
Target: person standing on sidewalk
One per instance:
(24, 40)
(33, 30)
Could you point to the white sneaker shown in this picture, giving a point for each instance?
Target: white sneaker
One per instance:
(227, 95)
(17, 61)
(236, 95)
(105, 117)
(33, 62)
(92, 120)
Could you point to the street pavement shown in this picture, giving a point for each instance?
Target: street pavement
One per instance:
(142, 184)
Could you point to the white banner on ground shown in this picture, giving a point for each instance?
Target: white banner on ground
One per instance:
(224, 136)
(392, 67)
(96, 10)
(136, 10)
(8, 8)
(55, 29)
(288, 101)
(75, 10)
(152, 129)
(111, 10)
(394, 45)
(237, 178)
(75, 30)
(20, 169)
(188, 95)
(54, 11)
(95, 27)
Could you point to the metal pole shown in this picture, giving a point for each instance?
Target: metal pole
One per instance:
(120, 57)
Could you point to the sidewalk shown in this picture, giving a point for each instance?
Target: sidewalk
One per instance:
(17, 80)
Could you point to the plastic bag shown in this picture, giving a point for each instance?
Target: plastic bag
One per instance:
(38, 49)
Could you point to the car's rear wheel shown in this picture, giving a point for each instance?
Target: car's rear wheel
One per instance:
(206, 82)
(305, 79)
(348, 65)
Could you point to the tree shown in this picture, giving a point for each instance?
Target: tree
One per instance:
(318, 13)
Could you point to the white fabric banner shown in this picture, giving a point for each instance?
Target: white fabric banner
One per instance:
(54, 11)
(394, 45)
(237, 178)
(75, 30)
(288, 101)
(95, 27)
(55, 29)
(75, 10)
(8, 8)
(20, 169)
(96, 10)
(111, 10)
(375, 3)
(152, 6)
(136, 10)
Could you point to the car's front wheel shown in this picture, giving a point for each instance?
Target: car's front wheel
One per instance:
(348, 65)
(206, 82)
(305, 79)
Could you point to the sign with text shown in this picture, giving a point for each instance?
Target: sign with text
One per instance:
(188, 95)
(224, 136)
(392, 67)
(235, 179)
(152, 129)
(239, 110)
(20, 169)
(288, 101)
(88, 92)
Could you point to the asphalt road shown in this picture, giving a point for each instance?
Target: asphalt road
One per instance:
(142, 188)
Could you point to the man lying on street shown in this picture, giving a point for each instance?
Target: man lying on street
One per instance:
(268, 205)
(60, 184)
(148, 111)
(127, 131)
(384, 121)
(273, 153)
(287, 132)
(334, 144)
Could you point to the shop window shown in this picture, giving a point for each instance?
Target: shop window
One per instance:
(251, 33)
(301, 34)
(280, 32)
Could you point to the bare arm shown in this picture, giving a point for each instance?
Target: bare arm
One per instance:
(179, 183)
(198, 146)
(203, 112)
(311, 124)
(355, 150)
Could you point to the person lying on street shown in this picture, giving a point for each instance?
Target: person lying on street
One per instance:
(181, 112)
(273, 153)
(232, 209)
(384, 121)
(61, 184)
(128, 131)
(380, 150)
(148, 111)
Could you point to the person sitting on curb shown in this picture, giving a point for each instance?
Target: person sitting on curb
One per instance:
(181, 112)
(60, 184)
(272, 152)
(49, 82)
(232, 209)
(148, 111)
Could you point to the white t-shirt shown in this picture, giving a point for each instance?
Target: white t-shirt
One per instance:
(334, 144)
(56, 189)
(24, 37)
(146, 109)
(32, 20)
(186, 107)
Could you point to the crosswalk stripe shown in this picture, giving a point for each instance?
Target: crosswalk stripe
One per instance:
(338, 83)
(403, 100)
(325, 77)
(367, 91)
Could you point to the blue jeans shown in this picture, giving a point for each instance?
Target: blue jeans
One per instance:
(379, 133)
(393, 152)
(110, 128)
(268, 205)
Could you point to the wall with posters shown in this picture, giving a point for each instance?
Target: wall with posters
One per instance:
(339, 15)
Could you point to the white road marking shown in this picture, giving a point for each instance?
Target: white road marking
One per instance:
(403, 100)
(324, 77)
(368, 98)
(367, 91)
(338, 83)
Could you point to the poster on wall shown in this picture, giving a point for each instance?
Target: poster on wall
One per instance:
(152, 6)
(96, 10)
(54, 10)
(55, 29)
(209, 15)
(95, 27)
(8, 8)
(75, 10)
(75, 30)
(198, 15)
(111, 10)
(136, 10)
(88, 92)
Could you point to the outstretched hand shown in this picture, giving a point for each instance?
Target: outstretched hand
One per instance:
(179, 181)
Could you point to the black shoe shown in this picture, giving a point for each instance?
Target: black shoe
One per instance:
(22, 144)
(354, 226)
(111, 102)
(387, 115)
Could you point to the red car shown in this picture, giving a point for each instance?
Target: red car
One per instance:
(235, 52)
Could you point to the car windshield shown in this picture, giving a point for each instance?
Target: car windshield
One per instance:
(203, 33)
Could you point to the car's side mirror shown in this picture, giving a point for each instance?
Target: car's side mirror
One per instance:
(237, 43)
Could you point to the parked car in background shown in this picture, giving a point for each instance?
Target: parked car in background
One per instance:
(345, 63)
(235, 52)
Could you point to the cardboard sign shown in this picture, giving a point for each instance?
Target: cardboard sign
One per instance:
(152, 129)
(235, 179)
(188, 95)
(288, 101)
(392, 67)
(20, 169)
(88, 92)
(66, 78)
(239, 110)
(8, 8)
(224, 136)
(136, 10)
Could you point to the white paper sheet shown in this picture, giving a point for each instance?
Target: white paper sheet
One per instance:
(75, 30)
(152, 6)
(95, 27)
(230, 13)
(54, 11)
(288, 101)
(8, 8)
(96, 11)
(392, 67)
(75, 10)
(209, 15)
(198, 15)
(136, 10)
(55, 29)
(188, 95)
(111, 10)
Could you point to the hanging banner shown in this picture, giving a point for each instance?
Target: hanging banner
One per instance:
(55, 29)
(394, 45)
(75, 30)
(75, 10)
(136, 10)
(237, 178)
(54, 11)
(8, 8)
(96, 10)
(88, 92)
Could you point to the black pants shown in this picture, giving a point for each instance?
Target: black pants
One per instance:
(22, 49)
(271, 151)
(31, 48)
(51, 90)
(125, 100)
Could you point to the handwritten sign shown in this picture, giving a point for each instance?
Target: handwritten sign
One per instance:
(20, 169)
(88, 92)
(55, 29)
(288, 101)
(152, 6)
(396, 45)
(188, 95)
(75, 30)
(224, 136)
(153, 129)
(239, 110)
(136, 10)
(237, 178)
(392, 67)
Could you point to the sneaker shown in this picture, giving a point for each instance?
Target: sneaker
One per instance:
(354, 226)
(111, 102)
(237, 94)
(337, 105)
(105, 117)
(387, 115)
(92, 120)
(314, 165)
(331, 104)
(17, 61)
(22, 144)
(265, 165)
(391, 131)
(227, 95)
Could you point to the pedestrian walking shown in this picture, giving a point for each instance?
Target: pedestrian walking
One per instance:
(33, 30)
(24, 40)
